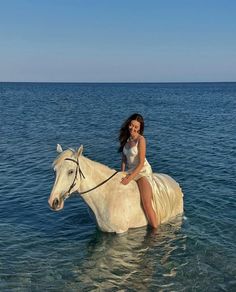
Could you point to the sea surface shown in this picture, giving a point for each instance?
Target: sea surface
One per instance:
(191, 135)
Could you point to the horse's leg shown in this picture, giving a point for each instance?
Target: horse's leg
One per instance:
(146, 198)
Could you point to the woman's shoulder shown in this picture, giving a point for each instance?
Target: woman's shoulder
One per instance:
(141, 139)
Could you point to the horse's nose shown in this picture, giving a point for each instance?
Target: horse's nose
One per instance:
(55, 204)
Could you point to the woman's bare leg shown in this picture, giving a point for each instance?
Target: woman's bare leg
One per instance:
(146, 198)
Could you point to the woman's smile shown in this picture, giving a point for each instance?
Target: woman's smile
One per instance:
(134, 128)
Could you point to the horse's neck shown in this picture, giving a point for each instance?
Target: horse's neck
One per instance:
(94, 173)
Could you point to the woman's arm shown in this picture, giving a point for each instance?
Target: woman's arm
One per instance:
(123, 162)
(142, 155)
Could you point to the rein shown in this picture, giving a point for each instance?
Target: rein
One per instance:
(102, 183)
(82, 175)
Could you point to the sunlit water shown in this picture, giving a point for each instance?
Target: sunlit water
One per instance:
(191, 135)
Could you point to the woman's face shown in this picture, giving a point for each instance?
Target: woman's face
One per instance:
(134, 128)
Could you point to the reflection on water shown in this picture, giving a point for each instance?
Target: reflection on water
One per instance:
(139, 260)
(131, 260)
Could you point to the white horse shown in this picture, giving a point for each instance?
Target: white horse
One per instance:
(116, 207)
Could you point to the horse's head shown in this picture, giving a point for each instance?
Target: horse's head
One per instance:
(68, 175)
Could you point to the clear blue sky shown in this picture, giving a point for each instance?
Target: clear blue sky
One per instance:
(118, 40)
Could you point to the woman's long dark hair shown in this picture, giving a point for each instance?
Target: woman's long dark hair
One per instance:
(124, 130)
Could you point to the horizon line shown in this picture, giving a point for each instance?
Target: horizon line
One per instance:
(117, 82)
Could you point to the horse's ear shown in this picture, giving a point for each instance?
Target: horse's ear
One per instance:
(59, 149)
(80, 150)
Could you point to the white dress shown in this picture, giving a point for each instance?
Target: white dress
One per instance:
(132, 157)
(166, 193)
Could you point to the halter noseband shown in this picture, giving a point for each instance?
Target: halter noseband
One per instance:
(67, 194)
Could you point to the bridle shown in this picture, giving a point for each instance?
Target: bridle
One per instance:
(78, 170)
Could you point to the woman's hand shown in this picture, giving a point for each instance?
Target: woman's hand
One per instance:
(125, 180)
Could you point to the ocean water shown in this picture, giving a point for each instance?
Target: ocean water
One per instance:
(191, 135)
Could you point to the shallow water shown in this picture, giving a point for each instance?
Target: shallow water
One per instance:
(190, 131)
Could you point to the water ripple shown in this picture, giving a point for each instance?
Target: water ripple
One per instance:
(190, 136)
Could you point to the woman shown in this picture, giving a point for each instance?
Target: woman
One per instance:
(133, 148)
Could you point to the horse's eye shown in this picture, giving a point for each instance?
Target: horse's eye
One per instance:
(70, 171)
